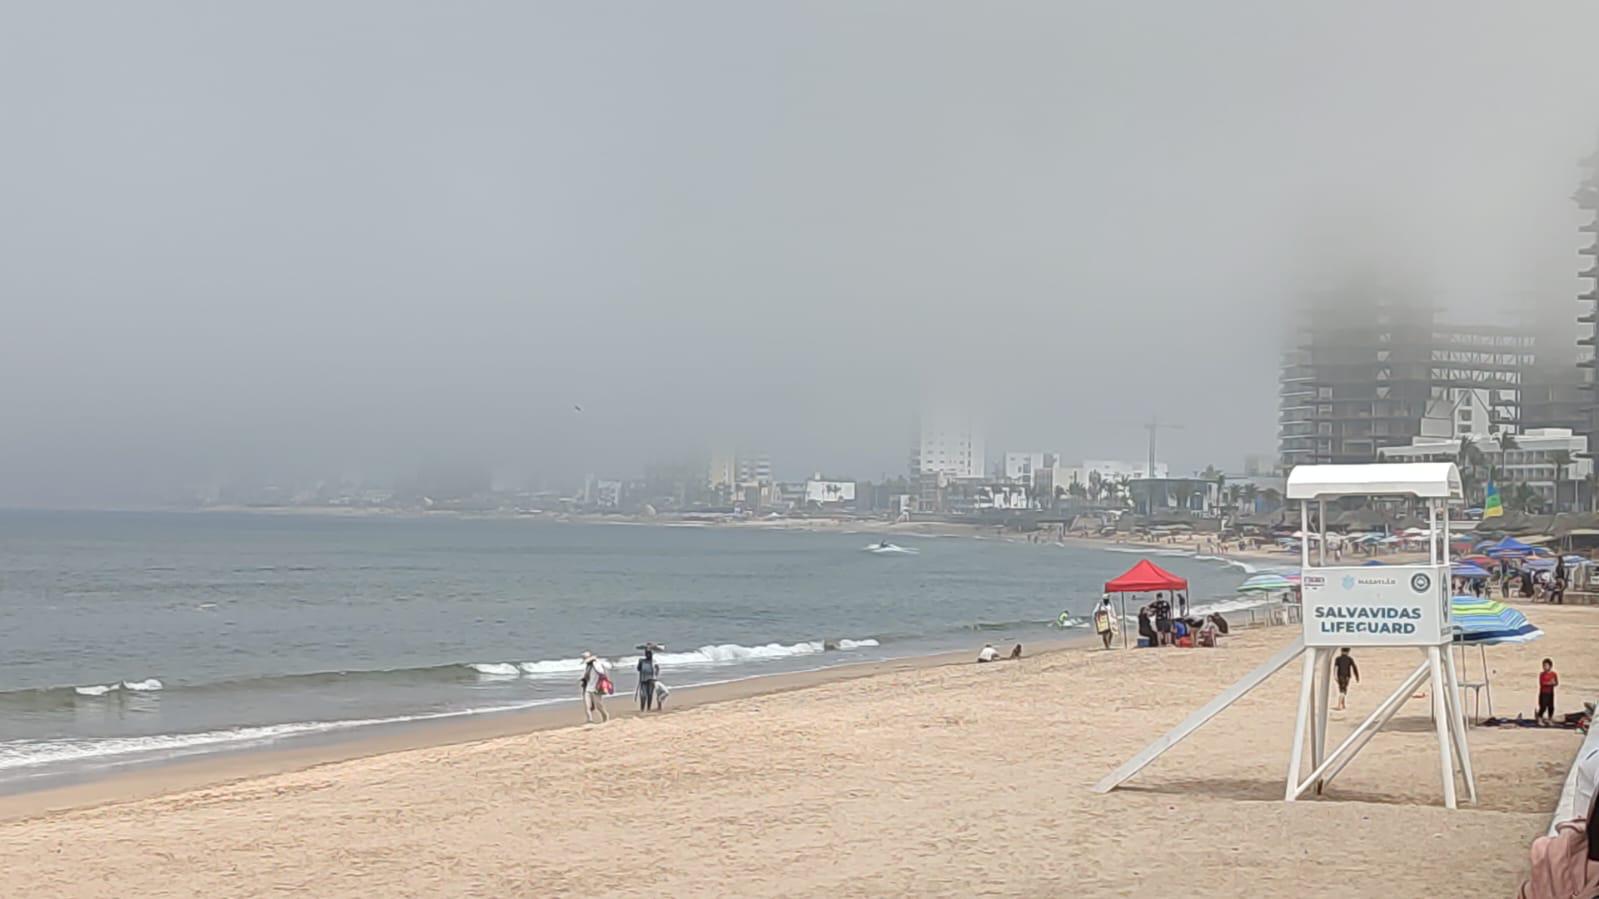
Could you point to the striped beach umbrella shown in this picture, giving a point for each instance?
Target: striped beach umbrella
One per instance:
(1266, 582)
(1489, 621)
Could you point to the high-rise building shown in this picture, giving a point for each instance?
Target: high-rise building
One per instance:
(950, 442)
(722, 474)
(1022, 467)
(1587, 199)
(1365, 370)
(754, 468)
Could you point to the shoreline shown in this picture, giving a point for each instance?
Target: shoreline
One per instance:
(935, 778)
(152, 778)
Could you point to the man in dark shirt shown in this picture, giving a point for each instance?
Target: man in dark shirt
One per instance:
(1162, 612)
(1343, 668)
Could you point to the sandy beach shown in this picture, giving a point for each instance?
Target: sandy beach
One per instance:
(902, 778)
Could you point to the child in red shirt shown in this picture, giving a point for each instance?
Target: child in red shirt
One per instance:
(1547, 681)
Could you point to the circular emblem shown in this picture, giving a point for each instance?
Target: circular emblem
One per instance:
(1420, 582)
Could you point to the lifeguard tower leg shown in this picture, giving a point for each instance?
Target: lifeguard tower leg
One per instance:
(1440, 717)
(1323, 686)
(1193, 722)
(1307, 683)
(1457, 718)
(1369, 728)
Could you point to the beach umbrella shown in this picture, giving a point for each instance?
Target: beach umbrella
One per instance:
(1487, 622)
(1267, 582)
(1371, 562)
(1574, 559)
(1477, 559)
(1490, 622)
(1467, 569)
(1508, 548)
(1539, 564)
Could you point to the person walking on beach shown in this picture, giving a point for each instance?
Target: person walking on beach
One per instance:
(1343, 668)
(1548, 680)
(648, 672)
(1103, 621)
(596, 680)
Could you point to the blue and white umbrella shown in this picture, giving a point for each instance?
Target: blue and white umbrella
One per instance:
(1267, 582)
(1489, 622)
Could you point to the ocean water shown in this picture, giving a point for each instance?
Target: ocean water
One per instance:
(130, 637)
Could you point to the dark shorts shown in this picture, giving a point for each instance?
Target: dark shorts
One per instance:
(1546, 703)
(1343, 685)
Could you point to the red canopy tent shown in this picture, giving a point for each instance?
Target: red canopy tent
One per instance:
(1144, 577)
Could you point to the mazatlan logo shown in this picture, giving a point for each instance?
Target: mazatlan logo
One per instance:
(1420, 582)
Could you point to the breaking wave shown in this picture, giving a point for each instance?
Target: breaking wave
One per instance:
(709, 656)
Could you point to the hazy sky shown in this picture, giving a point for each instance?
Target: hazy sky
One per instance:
(344, 236)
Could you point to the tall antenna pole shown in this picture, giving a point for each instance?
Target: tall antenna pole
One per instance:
(1153, 426)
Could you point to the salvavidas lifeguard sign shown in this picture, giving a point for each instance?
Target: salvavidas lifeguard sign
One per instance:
(1378, 605)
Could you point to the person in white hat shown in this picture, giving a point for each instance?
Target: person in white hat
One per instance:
(596, 677)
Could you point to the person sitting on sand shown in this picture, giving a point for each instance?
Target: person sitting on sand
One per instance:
(1146, 627)
(1016, 653)
(987, 654)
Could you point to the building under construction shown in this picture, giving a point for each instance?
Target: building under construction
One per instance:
(1364, 371)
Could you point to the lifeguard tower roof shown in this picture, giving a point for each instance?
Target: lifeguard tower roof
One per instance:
(1433, 480)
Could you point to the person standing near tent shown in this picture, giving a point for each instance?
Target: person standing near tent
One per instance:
(1548, 680)
(1343, 668)
(1162, 611)
(1103, 621)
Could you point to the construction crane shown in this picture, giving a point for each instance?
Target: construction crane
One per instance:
(1153, 426)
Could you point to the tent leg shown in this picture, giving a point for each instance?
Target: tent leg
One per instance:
(1440, 717)
(1457, 722)
(1319, 725)
(1369, 728)
(1301, 720)
(1193, 722)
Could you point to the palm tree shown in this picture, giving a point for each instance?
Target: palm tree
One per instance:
(1183, 492)
(1272, 496)
(1563, 462)
(1250, 493)
(1470, 460)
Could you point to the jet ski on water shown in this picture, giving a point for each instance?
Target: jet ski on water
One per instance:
(884, 548)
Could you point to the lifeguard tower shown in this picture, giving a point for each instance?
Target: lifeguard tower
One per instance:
(1388, 607)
